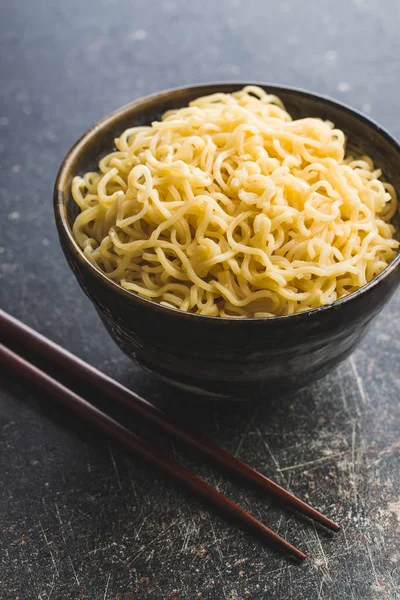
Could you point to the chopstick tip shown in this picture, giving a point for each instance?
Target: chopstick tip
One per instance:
(331, 525)
(300, 555)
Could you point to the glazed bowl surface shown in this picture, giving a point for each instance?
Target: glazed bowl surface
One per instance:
(221, 357)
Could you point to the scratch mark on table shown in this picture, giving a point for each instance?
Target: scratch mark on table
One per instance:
(372, 565)
(107, 584)
(60, 521)
(328, 575)
(73, 568)
(246, 429)
(278, 526)
(48, 546)
(353, 464)
(142, 549)
(115, 467)
(358, 380)
(353, 444)
(133, 486)
(290, 583)
(140, 527)
(312, 462)
(345, 537)
(102, 548)
(217, 483)
(186, 537)
(279, 570)
(52, 587)
(342, 394)
(222, 582)
(216, 541)
(392, 582)
(319, 591)
(150, 555)
(70, 526)
(274, 459)
(158, 537)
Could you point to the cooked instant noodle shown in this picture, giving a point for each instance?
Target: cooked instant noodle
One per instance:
(228, 207)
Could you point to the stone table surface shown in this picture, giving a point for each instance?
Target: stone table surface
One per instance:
(79, 518)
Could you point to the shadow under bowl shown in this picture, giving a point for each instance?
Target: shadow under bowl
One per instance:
(221, 357)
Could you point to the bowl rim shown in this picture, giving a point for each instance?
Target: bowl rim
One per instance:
(64, 229)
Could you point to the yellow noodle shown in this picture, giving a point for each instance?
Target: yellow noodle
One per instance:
(228, 207)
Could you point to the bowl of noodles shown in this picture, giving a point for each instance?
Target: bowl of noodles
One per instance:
(233, 236)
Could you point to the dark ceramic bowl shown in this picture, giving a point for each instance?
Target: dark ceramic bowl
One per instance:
(223, 357)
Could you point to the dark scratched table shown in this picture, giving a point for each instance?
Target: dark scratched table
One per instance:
(79, 518)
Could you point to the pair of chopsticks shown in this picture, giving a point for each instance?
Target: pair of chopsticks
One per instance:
(54, 355)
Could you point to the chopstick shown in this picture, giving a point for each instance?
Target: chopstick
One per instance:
(164, 463)
(81, 370)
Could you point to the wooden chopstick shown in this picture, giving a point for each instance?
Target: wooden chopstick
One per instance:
(112, 428)
(81, 370)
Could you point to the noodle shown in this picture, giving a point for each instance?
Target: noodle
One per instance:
(228, 207)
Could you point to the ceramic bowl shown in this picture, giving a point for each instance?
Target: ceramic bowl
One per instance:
(221, 357)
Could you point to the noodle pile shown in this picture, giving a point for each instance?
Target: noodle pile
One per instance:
(230, 208)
